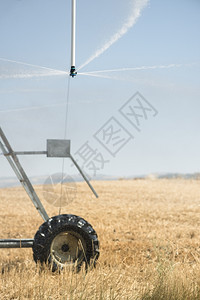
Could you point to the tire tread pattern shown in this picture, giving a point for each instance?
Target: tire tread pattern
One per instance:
(57, 224)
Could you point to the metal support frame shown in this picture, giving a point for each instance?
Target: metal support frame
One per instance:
(21, 175)
(59, 148)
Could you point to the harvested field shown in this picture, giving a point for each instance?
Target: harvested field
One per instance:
(149, 232)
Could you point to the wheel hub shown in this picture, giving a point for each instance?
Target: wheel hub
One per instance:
(65, 248)
(68, 247)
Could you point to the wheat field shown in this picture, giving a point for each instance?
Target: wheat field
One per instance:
(149, 237)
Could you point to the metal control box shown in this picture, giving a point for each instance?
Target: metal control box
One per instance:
(58, 148)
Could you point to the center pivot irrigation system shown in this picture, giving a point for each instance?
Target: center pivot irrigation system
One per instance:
(64, 240)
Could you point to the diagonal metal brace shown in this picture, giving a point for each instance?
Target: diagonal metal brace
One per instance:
(21, 175)
(84, 177)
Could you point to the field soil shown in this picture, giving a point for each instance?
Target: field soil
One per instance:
(149, 233)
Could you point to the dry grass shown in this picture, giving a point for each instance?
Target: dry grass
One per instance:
(149, 235)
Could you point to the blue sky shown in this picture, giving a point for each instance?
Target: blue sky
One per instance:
(33, 109)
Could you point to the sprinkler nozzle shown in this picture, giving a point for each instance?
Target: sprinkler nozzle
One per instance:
(73, 72)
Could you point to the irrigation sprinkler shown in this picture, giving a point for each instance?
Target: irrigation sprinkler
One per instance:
(61, 241)
(64, 240)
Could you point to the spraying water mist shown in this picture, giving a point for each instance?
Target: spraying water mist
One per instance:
(105, 73)
(17, 69)
(136, 68)
(137, 7)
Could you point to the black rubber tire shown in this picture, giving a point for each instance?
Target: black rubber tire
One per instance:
(55, 231)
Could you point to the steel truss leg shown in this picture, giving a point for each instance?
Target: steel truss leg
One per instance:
(21, 175)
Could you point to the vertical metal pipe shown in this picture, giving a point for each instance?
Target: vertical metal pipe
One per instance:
(73, 41)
